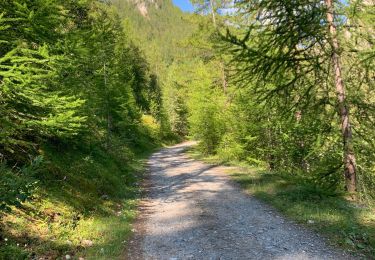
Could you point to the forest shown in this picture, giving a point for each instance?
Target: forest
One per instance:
(90, 88)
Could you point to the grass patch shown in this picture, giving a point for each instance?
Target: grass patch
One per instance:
(84, 205)
(343, 222)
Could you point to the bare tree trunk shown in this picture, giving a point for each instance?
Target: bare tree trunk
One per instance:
(224, 78)
(349, 156)
(213, 12)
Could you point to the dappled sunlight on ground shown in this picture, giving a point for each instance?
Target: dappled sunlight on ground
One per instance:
(193, 211)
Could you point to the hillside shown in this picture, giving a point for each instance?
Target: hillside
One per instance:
(89, 89)
(159, 28)
(71, 188)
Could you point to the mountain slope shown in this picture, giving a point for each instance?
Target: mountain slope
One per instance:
(159, 29)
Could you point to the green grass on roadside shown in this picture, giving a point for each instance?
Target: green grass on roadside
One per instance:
(84, 206)
(344, 223)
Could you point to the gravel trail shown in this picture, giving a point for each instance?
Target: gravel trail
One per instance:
(193, 211)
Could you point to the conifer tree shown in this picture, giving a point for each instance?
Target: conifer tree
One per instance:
(290, 48)
(32, 104)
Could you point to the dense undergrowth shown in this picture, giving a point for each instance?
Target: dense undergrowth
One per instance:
(80, 110)
(83, 205)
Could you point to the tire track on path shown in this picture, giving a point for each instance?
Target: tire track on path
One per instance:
(193, 211)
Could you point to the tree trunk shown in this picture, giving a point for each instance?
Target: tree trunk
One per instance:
(224, 78)
(213, 13)
(349, 156)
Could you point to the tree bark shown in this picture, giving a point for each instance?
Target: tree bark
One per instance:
(213, 13)
(224, 78)
(349, 156)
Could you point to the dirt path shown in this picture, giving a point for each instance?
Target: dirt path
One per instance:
(193, 211)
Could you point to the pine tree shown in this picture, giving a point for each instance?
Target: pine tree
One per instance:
(31, 102)
(288, 48)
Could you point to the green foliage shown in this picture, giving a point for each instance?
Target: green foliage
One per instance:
(205, 120)
(74, 90)
(85, 192)
(78, 90)
(280, 107)
(159, 32)
(31, 103)
(231, 149)
(17, 186)
(89, 85)
(13, 252)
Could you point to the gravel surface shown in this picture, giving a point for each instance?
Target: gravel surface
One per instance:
(193, 211)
